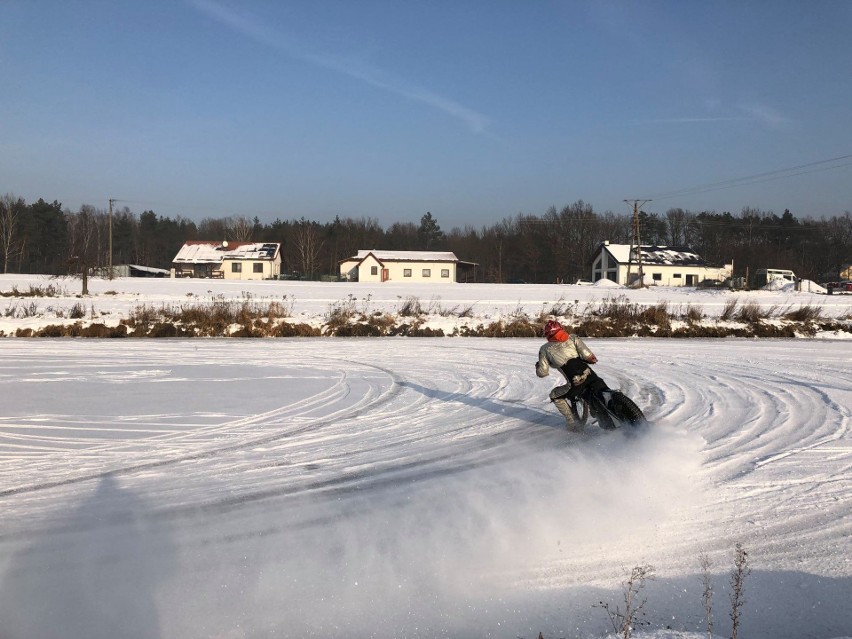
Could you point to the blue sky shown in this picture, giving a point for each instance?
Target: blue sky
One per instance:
(474, 110)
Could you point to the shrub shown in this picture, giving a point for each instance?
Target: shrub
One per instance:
(357, 329)
(729, 310)
(560, 308)
(657, 315)
(806, 313)
(618, 309)
(751, 313)
(693, 313)
(411, 307)
(341, 312)
(465, 312)
(285, 329)
(738, 576)
(624, 621)
(417, 331)
(517, 327)
(51, 330)
(35, 291)
(165, 329)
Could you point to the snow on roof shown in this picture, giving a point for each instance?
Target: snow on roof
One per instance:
(407, 256)
(147, 269)
(662, 255)
(200, 252)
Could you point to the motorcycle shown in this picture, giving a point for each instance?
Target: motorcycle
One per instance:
(611, 408)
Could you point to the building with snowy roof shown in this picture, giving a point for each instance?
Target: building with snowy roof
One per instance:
(660, 265)
(228, 260)
(405, 266)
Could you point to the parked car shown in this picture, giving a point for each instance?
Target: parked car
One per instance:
(839, 287)
(845, 286)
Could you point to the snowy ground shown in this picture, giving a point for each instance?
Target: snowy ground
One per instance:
(400, 487)
(411, 488)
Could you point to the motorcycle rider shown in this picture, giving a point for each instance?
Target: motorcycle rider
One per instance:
(571, 356)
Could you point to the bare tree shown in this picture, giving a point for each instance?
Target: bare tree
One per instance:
(212, 229)
(10, 208)
(676, 227)
(307, 241)
(240, 228)
(81, 233)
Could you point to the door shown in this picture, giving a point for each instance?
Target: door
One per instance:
(385, 275)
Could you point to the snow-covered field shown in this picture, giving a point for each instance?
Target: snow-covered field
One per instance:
(398, 487)
(446, 306)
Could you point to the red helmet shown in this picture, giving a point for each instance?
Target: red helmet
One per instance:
(551, 328)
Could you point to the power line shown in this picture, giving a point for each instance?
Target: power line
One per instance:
(757, 178)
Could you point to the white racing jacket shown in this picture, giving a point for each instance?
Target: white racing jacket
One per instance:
(557, 354)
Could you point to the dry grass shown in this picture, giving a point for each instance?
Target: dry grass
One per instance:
(693, 313)
(22, 309)
(35, 291)
(411, 307)
(729, 311)
(618, 309)
(752, 312)
(615, 317)
(657, 315)
(341, 313)
(559, 308)
(806, 313)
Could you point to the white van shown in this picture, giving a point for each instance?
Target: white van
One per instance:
(763, 276)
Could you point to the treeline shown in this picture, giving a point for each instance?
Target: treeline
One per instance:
(557, 245)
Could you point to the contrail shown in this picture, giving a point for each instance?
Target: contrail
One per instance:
(252, 28)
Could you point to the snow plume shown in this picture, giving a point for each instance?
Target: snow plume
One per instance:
(99, 581)
(438, 553)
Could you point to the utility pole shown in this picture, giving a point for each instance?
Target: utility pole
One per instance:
(634, 243)
(110, 237)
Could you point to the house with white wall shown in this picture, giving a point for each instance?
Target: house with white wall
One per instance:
(228, 260)
(404, 266)
(660, 265)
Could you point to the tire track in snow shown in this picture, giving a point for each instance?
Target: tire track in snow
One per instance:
(417, 411)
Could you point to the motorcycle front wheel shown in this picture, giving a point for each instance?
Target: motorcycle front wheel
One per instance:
(580, 409)
(625, 410)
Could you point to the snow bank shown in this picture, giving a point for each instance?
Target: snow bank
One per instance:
(605, 283)
(803, 286)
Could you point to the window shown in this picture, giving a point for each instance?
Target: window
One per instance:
(657, 276)
(236, 267)
(406, 272)
(676, 276)
(427, 272)
(374, 270)
(257, 267)
(445, 272)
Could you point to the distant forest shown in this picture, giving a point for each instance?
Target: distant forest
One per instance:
(556, 246)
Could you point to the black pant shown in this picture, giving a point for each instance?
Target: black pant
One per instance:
(579, 376)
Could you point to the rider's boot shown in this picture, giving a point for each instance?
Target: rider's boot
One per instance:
(571, 421)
